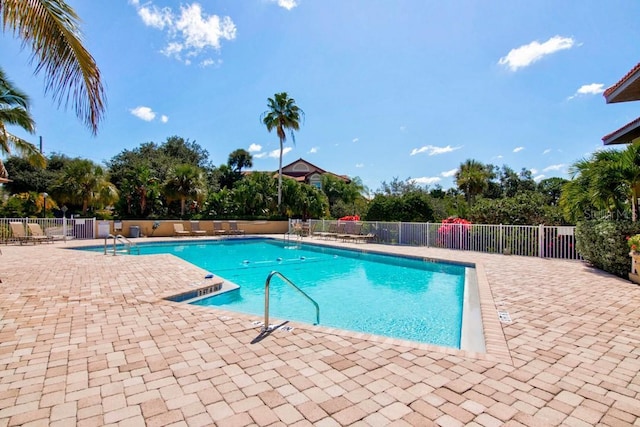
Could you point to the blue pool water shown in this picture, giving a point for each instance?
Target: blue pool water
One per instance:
(378, 294)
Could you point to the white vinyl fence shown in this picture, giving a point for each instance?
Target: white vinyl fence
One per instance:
(527, 240)
(59, 228)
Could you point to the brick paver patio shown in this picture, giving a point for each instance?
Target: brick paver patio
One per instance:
(86, 339)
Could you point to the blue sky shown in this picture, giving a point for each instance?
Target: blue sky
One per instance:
(406, 89)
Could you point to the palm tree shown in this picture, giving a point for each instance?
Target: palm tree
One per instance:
(608, 181)
(283, 114)
(14, 110)
(82, 182)
(50, 28)
(472, 178)
(183, 182)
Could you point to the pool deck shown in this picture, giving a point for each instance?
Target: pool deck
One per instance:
(86, 339)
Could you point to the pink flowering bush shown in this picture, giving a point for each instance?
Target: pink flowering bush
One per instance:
(454, 233)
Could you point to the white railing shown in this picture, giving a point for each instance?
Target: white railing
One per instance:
(59, 228)
(528, 240)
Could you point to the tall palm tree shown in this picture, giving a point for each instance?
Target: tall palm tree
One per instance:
(472, 178)
(50, 28)
(283, 114)
(14, 110)
(185, 182)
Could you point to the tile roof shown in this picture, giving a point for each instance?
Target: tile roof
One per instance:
(625, 135)
(627, 89)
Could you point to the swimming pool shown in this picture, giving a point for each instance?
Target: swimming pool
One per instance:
(379, 294)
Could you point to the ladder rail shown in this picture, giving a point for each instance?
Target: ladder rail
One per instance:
(119, 238)
(293, 285)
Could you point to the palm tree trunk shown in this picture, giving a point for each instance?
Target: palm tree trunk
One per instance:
(634, 203)
(280, 177)
(182, 203)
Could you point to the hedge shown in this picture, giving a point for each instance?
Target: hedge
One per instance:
(603, 244)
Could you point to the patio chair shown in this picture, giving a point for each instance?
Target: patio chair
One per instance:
(195, 229)
(37, 234)
(218, 230)
(233, 228)
(351, 232)
(333, 227)
(178, 230)
(18, 233)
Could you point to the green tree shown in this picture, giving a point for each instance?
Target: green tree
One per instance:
(256, 194)
(239, 159)
(344, 197)
(551, 189)
(283, 114)
(412, 206)
(126, 167)
(472, 178)
(84, 183)
(524, 208)
(606, 182)
(14, 110)
(184, 182)
(303, 201)
(50, 28)
(26, 177)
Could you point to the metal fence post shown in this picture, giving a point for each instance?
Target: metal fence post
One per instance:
(428, 235)
(500, 243)
(541, 240)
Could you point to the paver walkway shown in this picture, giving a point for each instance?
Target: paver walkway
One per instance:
(85, 339)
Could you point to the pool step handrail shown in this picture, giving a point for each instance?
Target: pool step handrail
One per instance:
(265, 327)
(288, 234)
(127, 244)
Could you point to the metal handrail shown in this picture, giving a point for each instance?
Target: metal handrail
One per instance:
(289, 282)
(128, 243)
(120, 238)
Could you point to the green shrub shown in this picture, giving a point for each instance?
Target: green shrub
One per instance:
(603, 244)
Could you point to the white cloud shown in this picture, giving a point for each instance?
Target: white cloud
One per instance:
(403, 128)
(286, 4)
(426, 180)
(209, 62)
(276, 153)
(134, 2)
(313, 150)
(518, 149)
(355, 140)
(144, 113)
(591, 89)
(432, 150)
(359, 165)
(254, 147)
(259, 155)
(526, 55)
(533, 171)
(449, 173)
(554, 167)
(547, 151)
(190, 32)
(538, 178)
(154, 17)
(164, 119)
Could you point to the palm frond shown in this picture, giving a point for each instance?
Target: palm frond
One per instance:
(50, 28)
